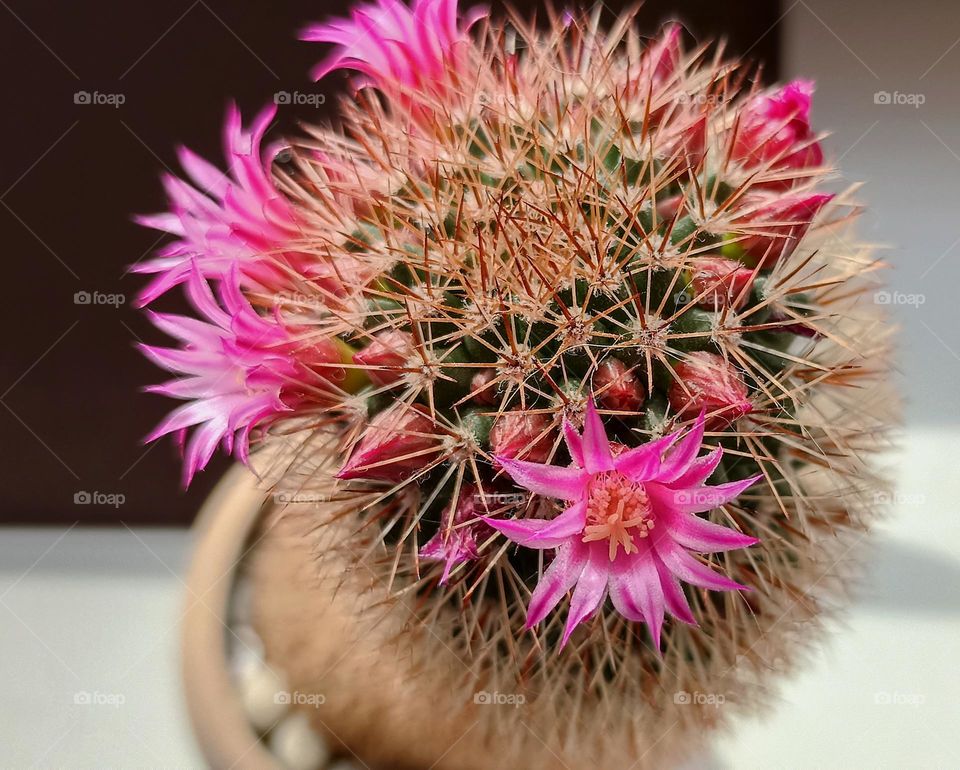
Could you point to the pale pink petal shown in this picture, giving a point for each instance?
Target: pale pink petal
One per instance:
(558, 578)
(546, 480)
(699, 471)
(574, 442)
(700, 499)
(623, 600)
(642, 463)
(685, 567)
(590, 592)
(203, 173)
(168, 223)
(635, 590)
(543, 533)
(200, 448)
(681, 458)
(192, 413)
(596, 447)
(650, 598)
(673, 596)
(705, 537)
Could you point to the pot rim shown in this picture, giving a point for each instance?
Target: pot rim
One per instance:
(221, 539)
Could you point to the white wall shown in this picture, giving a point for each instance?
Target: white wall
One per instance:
(909, 157)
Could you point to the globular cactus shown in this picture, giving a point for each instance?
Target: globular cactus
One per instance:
(554, 312)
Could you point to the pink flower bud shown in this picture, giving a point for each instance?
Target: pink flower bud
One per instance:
(332, 279)
(322, 357)
(458, 540)
(480, 386)
(397, 442)
(783, 222)
(386, 356)
(705, 381)
(656, 67)
(617, 387)
(719, 282)
(775, 129)
(662, 58)
(667, 208)
(522, 435)
(693, 141)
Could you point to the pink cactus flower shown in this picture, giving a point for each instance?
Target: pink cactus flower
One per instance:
(522, 434)
(397, 443)
(775, 131)
(221, 219)
(630, 527)
(779, 225)
(398, 49)
(719, 283)
(706, 381)
(237, 370)
(458, 539)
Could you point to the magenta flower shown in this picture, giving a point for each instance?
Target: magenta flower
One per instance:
(775, 129)
(398, 49)
(629, 528)
(237, 370)
(221, 219)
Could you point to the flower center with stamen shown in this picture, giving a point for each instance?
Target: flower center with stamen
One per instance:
(618, 510)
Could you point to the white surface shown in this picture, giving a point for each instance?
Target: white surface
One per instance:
(92, 611)
(885, 691)
(96, 611)
(908, 158)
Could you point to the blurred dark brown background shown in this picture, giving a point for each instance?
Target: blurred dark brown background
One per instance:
(72, 416)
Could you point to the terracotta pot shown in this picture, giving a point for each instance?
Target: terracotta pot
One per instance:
(222, 533)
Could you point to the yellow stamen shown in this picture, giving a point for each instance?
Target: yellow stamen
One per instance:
(618, 510)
